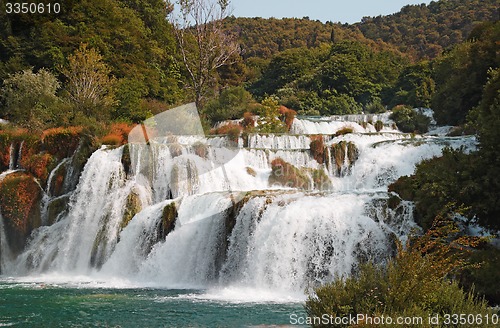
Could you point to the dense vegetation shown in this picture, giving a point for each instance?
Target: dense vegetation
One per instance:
(443, 55)
(415, 283)
(312, 67)
(425, 31)
(421, 31)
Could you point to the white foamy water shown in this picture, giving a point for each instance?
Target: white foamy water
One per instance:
(235, 235)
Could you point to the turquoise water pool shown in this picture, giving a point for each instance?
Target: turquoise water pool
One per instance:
(36, 304)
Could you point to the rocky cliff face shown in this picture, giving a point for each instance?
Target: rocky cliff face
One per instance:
(39, 175)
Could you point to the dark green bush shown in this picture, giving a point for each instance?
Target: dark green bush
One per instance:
(414, 283)
(409, 120)
(231, 104)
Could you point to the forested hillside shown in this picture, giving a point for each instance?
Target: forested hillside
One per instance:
(132, 38)
(310, 66)
(419, 31)
(424, 31)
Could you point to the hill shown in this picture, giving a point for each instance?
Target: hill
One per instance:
(420, 31)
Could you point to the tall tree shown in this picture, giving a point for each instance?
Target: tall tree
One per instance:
(29, 98)
(203, 43)
(90, 86)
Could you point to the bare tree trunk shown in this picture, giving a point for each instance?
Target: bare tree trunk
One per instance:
(203, 44)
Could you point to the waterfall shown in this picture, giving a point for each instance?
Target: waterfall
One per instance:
(5, 253)
(359, 123)
(227, 225)
(299, 241)
(15, 153)
(87, 235)
(12, 158)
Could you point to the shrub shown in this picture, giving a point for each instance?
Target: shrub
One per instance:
(317, 147)
(439, 181)
(342, 104)
(288, 116)
(484, 277)
(117, 134)
(30, 98)
(379, 125)
(112, 139)
(231, 104)
(248, 121)
(409, 120)
(414, 283)
(375, 107)
(61, 142)
(344, 130)
(232, 131)
(269, 114)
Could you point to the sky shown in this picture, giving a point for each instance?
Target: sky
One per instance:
(344, 11)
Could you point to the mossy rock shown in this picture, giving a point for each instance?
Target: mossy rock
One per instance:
(286, 175)
(56, 187)
(393, 202)
(40, 165)
(20, 197)
(251, 171)
(56, 207)
(87, 147)
(126, 161)
(61, 142)
(6, 140)
(320, 179)
(343, 131)
(167, 222)
(200, 149)
(133, 206)
(175, 149)
(343, 153)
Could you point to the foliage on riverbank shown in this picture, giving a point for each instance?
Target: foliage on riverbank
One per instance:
(416, 282)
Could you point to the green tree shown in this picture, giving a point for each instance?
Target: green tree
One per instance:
(269, 114)
(30, 98)
(231, 104)
(487, 122)
(130, 94)
(414, 86)
(408, 120)
(90, 86)
(285, 68)
(461, 74)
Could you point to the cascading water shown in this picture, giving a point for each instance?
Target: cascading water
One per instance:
(363, 123)
(5, 253)
(12, 157)
(228, 225)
